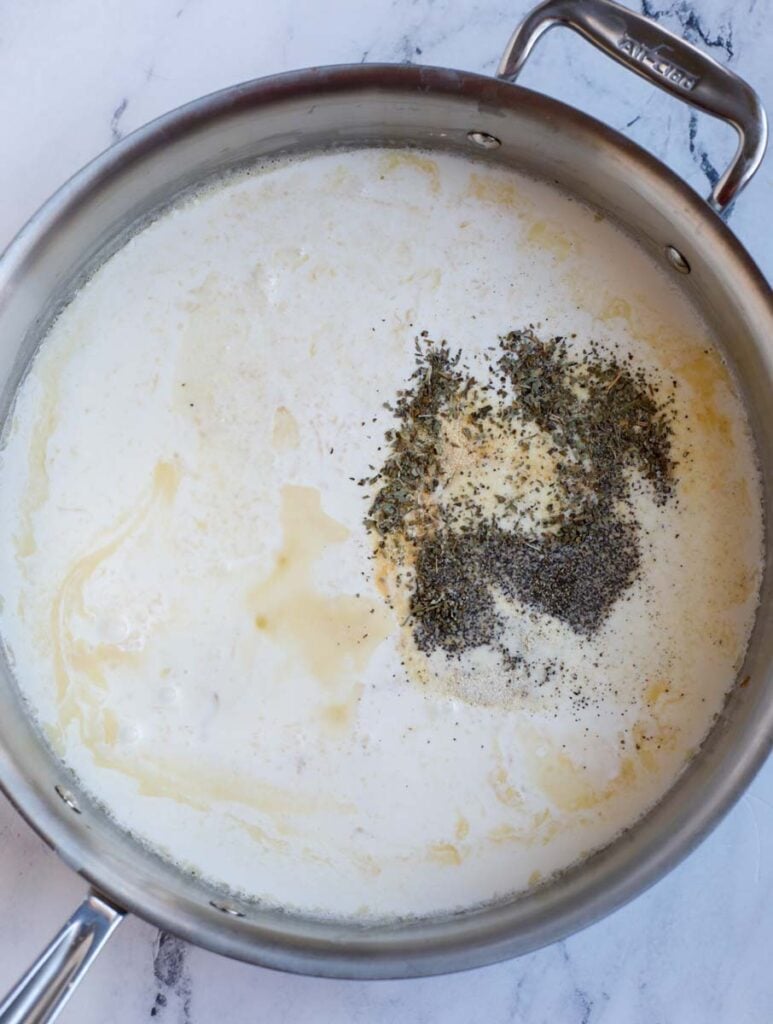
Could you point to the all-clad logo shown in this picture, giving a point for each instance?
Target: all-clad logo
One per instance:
(666, 69)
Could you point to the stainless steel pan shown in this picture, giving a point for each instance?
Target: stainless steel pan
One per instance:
(90, 217)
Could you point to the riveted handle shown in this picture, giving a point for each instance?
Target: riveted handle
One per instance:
(680, 68)
(49, 983)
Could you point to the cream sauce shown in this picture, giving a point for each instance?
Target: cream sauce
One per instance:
(189, 595)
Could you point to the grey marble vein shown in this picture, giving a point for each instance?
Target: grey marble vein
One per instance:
(173, 998)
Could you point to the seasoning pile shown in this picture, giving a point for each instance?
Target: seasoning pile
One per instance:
(517, 487)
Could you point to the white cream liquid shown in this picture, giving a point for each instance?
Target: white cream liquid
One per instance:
(188, 592)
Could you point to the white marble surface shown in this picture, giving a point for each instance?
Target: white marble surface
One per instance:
(79, 75)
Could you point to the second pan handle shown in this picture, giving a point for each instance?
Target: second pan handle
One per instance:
(49, 983)
(658, 55)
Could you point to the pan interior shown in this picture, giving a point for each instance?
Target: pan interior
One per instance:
(549, 242)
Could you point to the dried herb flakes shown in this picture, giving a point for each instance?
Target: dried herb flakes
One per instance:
(570, 548)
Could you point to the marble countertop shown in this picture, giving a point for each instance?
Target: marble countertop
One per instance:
(78, 76)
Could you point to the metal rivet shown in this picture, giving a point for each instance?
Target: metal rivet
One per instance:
(677, 261)
(227, 908)
(66, 796)
(484, 140)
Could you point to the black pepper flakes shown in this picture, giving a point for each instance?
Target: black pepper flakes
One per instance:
(608, 426)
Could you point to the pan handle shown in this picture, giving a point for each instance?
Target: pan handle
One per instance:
(642, 46)
(51, 980)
